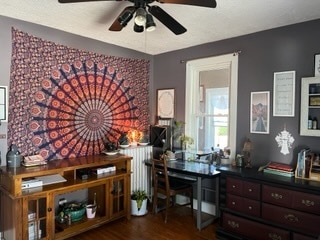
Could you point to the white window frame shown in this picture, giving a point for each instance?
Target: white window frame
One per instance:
(193, 69)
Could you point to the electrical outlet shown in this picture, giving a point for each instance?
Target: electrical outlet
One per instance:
(3, 136)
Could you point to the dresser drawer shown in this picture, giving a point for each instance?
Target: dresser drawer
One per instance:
(251, 190)
(297, 236)
(278, 196)
(244, 205)
(243, 188)
(234, 186)
(292, 218)
(306, 202)
(292, 199)
(251, 229)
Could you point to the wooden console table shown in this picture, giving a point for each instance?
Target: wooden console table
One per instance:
(31, 213)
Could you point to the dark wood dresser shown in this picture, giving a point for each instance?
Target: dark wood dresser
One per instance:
(257, 205)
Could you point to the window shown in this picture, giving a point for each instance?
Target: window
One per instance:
(211, 97)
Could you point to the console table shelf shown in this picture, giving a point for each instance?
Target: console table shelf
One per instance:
(31, 213)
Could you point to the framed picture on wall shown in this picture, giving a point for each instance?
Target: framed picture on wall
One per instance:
(259, 112)
(317, 64)
(3, 104)
(166, 103)
(284, 94)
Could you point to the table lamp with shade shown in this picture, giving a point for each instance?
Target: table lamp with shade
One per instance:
(247, 148)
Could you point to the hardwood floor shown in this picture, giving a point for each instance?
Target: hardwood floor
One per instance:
(180, 225)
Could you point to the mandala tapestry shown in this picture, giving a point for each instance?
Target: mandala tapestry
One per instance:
(66, 102)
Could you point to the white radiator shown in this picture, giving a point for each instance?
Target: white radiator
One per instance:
(139, 176)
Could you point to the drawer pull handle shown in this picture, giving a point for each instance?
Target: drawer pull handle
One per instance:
(250, 208)
(291, 218)
(276, 196)
(274, 236)
(233, 224)
(250, 190)
(233, 186)
(233, 203)
(307, 203)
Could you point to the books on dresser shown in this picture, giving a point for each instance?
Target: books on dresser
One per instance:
(280, 169)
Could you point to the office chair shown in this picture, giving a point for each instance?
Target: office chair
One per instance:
(169, 187)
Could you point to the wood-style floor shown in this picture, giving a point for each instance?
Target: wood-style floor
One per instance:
(180, 225)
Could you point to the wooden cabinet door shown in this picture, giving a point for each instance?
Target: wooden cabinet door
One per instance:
(118, 197)
(37, 217)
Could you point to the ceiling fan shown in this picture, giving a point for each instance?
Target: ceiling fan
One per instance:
(145, 12)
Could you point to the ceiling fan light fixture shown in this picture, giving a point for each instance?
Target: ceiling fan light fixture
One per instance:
(137, 28)
(141, 16)
(125, 18)
(150, 24)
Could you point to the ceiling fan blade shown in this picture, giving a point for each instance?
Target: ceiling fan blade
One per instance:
(167, 20)
(116, 25)
(76, 1)
(200, 3)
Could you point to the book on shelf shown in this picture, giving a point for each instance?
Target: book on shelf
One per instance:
(304, 159)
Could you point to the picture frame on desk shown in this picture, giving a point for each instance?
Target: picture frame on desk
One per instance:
(317, 64)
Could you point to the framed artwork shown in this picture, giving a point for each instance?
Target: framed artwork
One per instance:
(284, 94)
(259, 112)
(165, 103)
(3, 104)
(317, 64)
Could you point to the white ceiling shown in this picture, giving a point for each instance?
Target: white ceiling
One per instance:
(231, 18)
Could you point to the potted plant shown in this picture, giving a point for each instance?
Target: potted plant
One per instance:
(139, 203)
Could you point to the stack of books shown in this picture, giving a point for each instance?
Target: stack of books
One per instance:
(280, 169)
(34, 160)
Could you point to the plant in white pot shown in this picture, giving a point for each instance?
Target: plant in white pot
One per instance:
(139, 203)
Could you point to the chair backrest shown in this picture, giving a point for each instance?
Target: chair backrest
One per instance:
(160, 176)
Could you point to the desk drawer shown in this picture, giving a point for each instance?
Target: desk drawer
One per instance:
(292, 218)
(243, 188)
(252, 230)
(244, 205)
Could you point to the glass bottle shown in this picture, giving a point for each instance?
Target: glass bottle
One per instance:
(309, 122)
(314, 123)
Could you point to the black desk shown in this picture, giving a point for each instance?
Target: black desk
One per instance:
(198, 171)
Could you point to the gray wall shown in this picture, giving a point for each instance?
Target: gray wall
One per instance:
(290, 48)
(262, 54)
(58, 37)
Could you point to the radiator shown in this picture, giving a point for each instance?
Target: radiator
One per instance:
(140, 173)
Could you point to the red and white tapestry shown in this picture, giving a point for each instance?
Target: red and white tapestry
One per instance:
(64, 102)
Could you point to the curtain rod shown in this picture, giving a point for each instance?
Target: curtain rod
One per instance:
(235, 53)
